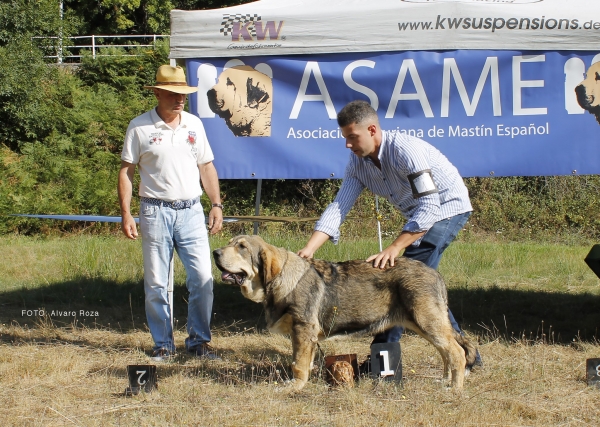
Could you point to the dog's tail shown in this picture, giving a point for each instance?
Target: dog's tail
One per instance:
(469, 347)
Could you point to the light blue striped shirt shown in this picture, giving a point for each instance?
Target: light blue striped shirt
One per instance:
(400, 155)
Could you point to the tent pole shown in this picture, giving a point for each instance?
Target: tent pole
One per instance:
(257, 205)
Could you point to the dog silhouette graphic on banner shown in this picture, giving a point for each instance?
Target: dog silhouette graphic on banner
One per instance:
(243, 97)
(588, 91)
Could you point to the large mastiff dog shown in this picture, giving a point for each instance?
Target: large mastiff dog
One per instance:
(314, 299)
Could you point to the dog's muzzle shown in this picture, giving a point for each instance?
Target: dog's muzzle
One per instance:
(227, 276)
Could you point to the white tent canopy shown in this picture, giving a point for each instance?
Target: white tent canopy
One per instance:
(286, 27)
(496, 85)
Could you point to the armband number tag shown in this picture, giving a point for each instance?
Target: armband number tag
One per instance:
(422, 183)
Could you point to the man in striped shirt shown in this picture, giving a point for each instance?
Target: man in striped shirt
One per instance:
(413, 176)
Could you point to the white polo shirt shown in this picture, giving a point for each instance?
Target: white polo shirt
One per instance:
(167, 159)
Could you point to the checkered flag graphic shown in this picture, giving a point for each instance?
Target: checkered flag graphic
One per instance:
(228, 21)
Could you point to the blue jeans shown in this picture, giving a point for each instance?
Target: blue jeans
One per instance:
(164, 229)
(433, 244)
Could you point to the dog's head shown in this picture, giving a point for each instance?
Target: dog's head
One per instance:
(243, 97)
(588, 91)
(250, 263)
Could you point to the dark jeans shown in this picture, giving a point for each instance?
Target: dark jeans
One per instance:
(433, 244)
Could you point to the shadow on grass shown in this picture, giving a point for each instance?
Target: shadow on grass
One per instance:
(511, 314)
(489, 312)
(263, 370)
(117, 306)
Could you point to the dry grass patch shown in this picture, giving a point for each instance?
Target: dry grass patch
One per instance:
(71, 370)
(76, 376)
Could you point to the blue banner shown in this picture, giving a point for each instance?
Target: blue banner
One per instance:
(492, 113)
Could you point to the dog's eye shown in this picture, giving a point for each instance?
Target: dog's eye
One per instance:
(229, 82)
(241, 245)
(597, 76)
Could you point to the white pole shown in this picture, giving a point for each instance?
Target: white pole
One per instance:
(170, 287)
(378, 223)
(59, 57)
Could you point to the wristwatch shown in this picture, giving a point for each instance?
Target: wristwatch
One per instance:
(217, 205)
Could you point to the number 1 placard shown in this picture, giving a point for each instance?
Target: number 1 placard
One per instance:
(386, 361)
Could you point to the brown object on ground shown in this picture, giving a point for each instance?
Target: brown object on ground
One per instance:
(342, 374)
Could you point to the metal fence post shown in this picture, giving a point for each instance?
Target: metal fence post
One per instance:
(257, 205)
(59, 56)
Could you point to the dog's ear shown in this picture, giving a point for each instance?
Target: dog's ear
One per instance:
(271, 263)
(256, 93)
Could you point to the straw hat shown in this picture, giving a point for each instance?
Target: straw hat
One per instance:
(172, 79)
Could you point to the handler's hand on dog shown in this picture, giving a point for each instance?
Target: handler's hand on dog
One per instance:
(215, 220)
(382, 258)
(305, 253)
(317, 239)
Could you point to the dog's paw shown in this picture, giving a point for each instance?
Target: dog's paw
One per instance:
(292, 387)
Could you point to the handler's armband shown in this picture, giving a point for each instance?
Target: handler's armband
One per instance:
(422, 183)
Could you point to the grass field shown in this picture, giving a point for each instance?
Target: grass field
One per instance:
(533, 307)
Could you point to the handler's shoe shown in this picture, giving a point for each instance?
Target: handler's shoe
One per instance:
(162, 355)
(204, 351)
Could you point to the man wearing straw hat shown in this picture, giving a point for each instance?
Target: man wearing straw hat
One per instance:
(170, 149)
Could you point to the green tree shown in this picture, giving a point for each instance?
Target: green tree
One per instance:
(27, 18)
(24, 78)
(66, 153)
(135, 16)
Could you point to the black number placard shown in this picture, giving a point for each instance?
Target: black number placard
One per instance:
(593, 259)
(593, 372)
(141, 377)
(386, 361)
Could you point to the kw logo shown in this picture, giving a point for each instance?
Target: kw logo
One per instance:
(249, 27)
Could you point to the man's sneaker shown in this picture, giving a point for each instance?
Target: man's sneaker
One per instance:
(204, 351)
(162, 355)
